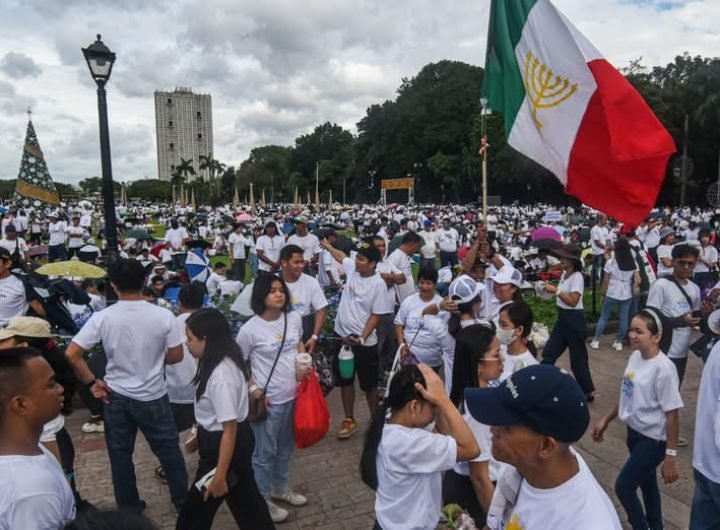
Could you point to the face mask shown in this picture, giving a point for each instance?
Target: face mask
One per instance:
(505, 336)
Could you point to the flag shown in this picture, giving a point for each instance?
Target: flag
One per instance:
(572, 112)
(34, 181)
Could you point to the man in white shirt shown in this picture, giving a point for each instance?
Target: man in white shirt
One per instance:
(15, 296)
(75, 236)
(138, 338)
(429, 250)
(238, 241)
(34, 492)
(56, 244)
(217, 277)
(401, 258)
(705, 514)
(448, 239)
(268, 248)
(176, 237)
(598, 242)
(15, 245)
(306, 241)
(328, 275)
(535, 416)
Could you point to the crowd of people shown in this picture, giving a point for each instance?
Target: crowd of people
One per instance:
(430, 305)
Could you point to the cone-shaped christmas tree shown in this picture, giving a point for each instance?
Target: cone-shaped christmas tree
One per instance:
(34, 181)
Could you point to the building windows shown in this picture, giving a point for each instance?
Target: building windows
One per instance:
(170, 124)
(169, 101)
(172, 146)
(199, 136)
(172, 167)
(199, 115)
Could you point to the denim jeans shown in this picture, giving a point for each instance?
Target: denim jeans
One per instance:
(640, 471)
(705, 514)
(609, 305)
(123, 417)
(569, 332)
(427, 262)
(448, 258)
(274, 444)
(57, 253)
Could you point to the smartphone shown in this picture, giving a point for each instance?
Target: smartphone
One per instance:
(696, 314)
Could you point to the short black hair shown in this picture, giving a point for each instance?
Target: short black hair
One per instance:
(287, 252)
(412, 238)
(220, 265)
(428, 273)
(261, 288)
(14, 374)
(685, 251)
(192, 296)
(157, 278)
(88, 282)
(127, 275)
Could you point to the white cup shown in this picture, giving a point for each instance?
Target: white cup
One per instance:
(303, 363)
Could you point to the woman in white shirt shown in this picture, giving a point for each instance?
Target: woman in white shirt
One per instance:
(478, 363)
(402, 460)
(707, 265)
(664, 252)
(224, 437)
(268, 248)
(649, 404)
(273, 338)
(621, 275)
(516, 320)
(570, 327)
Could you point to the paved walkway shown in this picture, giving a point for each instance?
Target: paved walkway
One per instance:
(328, 472)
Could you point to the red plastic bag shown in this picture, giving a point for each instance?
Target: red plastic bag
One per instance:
(312, 417)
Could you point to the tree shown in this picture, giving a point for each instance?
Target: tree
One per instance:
(151, 189)
(182, 170)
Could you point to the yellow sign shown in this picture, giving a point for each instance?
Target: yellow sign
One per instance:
(544, 89)
(397, 184)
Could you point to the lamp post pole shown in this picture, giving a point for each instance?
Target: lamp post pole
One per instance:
(483, 149)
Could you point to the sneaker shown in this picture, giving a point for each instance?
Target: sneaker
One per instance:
(277, 514)
(617, 346)
(290, 497)
(348, 428)
(595, 344)
(94, 425)
(682, 442)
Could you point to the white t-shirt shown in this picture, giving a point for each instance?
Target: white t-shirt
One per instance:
(18, 243)
(309, 243)
(13, 300)
(575, 283)
(75, 234)
(180, 375)
(327, 269)
(383, 267)
(708, 253)
(225, 397)
(620, 282)
(176, 237)
(706, 448)
(34, 493)
(652, 237)
(57, 233)
(598, 233)
(667, 297)
(213, 283)
(238, 242)
(260, 341)
(424, 342)
(51, 428)
(650, 388)
(271, 247)
(429, 249)
(402, 262)
(664, 251)
(166, 256)
(306, 295)
(577, 503)
(513, 363)
(448, 239)
(135, 336)
(483, 437)
(409, 466)
(361, 298)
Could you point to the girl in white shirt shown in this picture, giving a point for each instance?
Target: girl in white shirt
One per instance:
(225, 440)
(402, 460)
(478, 364)
(513, 334)
(649, 404)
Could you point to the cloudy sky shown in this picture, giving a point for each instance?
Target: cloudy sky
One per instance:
(275, 68)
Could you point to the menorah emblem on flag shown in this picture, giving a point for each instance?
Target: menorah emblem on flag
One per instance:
(544, 89)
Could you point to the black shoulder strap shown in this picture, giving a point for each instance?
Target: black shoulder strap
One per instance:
(277, 357)
(683, 291)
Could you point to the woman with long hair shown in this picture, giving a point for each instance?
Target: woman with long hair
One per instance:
(516, 320)
(621, 275)
(270, 341)
(478, 363)
(225, 439)
(649, 404)
(570, 327)
(402, 460)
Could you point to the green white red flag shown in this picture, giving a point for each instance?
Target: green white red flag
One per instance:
(572, 112)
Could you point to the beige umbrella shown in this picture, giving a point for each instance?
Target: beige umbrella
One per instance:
(330, 201)
(252, 199)
(308, 201)
(262, 199)
(73, 268)
(194, 206)
(123, 194)
(174, 197)
(317, 198)
(182, 194)
(236, 198)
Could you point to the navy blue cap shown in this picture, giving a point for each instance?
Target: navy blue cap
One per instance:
(541, 397)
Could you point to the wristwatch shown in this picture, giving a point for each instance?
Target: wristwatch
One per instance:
(90, 384)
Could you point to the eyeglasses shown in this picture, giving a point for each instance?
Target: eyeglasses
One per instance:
(686, 264)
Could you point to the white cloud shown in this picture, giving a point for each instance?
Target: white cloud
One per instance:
(275, 68)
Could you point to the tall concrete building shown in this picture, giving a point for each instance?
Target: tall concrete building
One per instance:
(183, 124)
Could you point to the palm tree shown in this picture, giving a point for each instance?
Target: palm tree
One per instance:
(206, 162)
(185, 168)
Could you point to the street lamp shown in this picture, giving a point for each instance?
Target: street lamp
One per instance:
(100, 60)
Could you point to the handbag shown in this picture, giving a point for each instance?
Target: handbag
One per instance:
(257, 407)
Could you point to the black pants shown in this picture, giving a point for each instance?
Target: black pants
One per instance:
(67, 458)
(569, 332)
(458, 489)
(246, 504)
(238, 269)
(680, 364)
(97, 363)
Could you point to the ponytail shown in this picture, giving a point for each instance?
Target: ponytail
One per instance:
(402, 391)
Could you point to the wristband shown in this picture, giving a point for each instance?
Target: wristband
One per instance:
(361, 340)
(403, 344)
(314, 337)
(90, 384)
(670, 452)
(253, 388)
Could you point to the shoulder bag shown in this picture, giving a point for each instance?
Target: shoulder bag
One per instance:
(257, 406)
